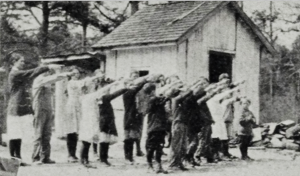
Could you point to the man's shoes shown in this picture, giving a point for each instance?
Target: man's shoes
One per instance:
(89, 166)
(230, 156)
(211, 160)
(72, 159)
(181, 167)
(3, 144)
(247, 158)
(48, 161)
(161, 170)
(24, 164)
(106, 163)
(140, 153)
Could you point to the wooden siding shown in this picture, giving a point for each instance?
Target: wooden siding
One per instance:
(155, 59)
(218, 33)
(247, 65)
(223, 33)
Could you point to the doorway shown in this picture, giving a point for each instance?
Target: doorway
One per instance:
(219, 63)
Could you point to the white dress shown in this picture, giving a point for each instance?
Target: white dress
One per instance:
(89, 125)
(73, 107)
(217, 111)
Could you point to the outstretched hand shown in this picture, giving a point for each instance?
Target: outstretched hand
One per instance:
(55, 67)
(154, 77)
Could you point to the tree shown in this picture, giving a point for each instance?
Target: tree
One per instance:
(264, 20)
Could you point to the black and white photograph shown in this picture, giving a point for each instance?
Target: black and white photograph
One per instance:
(132, 88)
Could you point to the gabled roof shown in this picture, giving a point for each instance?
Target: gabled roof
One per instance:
(163, 23)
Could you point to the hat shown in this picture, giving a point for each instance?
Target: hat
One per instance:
(223, 76)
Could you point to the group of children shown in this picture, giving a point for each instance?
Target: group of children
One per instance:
(197, 118)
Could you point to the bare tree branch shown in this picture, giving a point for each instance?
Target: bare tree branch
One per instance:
(37, 20)
(289, 21)
(290, 30)
(109, 9)
(68, 21)
(113, 20)
(124, 11)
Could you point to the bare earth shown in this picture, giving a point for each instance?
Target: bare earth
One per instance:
(269, 162)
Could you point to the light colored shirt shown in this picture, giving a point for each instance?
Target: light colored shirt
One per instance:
(41, 91)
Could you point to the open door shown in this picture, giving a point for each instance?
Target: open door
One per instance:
(219, 63)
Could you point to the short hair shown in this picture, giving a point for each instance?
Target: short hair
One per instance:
(14, 57)
(149, 87)
(223, 76)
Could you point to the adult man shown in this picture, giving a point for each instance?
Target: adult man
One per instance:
(43, 119)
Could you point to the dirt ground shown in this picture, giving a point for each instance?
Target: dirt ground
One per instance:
(269, 162)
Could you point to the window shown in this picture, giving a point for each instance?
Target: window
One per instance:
(219, 63)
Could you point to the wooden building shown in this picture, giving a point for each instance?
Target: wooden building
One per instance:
(191, 39)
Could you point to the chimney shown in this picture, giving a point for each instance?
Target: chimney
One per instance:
(134, 6)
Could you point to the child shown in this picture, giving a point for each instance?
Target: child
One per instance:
(157, 123)
(89, 125)
(228, 115)
(132, 120)
(246, 123)
(180, 107)
(217, 108)
(108, 130)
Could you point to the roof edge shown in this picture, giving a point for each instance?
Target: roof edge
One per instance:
(135, 45)
(254, 28)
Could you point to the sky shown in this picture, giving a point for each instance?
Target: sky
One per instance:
(249, 6)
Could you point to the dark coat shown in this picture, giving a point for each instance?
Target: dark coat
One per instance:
(157, 118)
(132, 119)
(181, 108)
(107, 117)
(205, 115)
(18, 80)
(195, 123)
